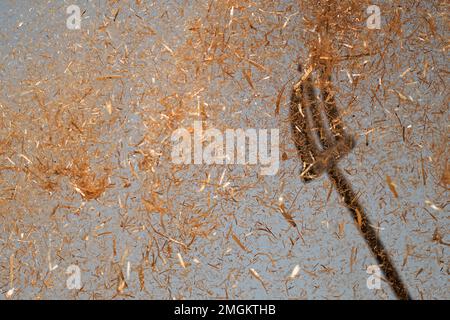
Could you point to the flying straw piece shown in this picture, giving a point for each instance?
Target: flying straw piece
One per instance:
(392, 186)
(258, 277)
(239, 243)
(295, 272)
(180, 259)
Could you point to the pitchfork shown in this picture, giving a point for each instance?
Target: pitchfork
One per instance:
(320, 146)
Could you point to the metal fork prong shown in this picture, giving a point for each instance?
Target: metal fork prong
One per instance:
(307, 123)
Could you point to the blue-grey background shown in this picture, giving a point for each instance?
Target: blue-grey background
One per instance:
(179, 61)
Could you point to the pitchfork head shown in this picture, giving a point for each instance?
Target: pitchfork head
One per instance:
(317, 127)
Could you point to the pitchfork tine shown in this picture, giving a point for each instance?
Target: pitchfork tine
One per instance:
(307, 124)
